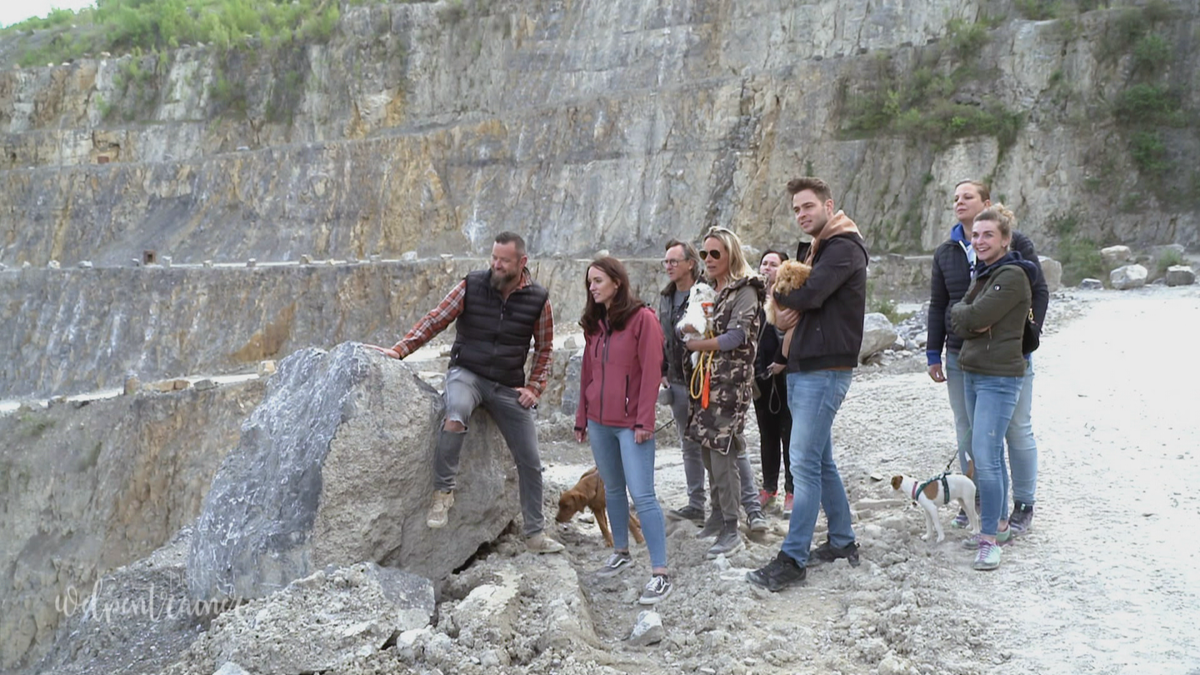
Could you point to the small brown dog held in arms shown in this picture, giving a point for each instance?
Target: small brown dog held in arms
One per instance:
(589, 493)
(791, 275)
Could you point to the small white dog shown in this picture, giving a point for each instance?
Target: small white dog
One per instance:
(697, 320)
(943, 489)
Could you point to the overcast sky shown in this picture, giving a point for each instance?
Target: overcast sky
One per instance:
(16, 11)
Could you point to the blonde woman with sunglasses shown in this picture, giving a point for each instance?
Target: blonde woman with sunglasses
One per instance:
(718, 428)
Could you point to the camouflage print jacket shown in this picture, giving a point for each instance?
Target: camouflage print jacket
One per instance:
(738, 305)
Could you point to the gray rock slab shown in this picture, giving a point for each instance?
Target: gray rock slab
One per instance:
(878, 335)
(1052, 271)
(1180, 275)
(648, 629)
(1128, 277)
(1091, 284)
(335, 467)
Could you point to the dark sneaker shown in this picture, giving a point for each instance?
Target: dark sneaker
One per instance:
(1021, 518)
(757, 522)
(728, 542)
(961, 522)
(656, 590)
(617, 562)
(827, 553)
(688, 512)
(778, 574)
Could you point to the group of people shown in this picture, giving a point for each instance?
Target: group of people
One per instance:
(634, 357)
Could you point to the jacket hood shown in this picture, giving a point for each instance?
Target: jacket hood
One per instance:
(754, 281)
(1010, 258)
(839, 225)
(958, 234)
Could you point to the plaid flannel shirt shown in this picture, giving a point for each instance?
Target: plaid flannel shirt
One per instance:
(440, 318)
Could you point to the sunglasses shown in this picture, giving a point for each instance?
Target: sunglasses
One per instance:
(716, 254)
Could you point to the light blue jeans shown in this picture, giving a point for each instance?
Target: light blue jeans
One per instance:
(814, 398)
(991, 401)
(626, 465)
(1022, 448)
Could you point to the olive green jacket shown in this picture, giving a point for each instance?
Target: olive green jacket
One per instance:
(991, 321)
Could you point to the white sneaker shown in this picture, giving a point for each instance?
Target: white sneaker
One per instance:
(439, 509)
(540, 543)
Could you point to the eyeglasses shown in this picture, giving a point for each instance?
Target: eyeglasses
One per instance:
(715, 253)
(671, 262)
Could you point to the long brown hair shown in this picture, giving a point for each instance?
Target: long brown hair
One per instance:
(623, 304)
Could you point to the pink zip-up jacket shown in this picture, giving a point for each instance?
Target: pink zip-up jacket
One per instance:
(621, 372)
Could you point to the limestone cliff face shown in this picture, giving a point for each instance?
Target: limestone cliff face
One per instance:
(84, 490)
(430, 126)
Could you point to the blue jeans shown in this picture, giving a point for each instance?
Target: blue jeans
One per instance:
(1022, 448)
(958, 404)
(991, 401)
(814, 398)
(623, 465)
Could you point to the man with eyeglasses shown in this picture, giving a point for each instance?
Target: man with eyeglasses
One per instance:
(498, 311)
(682, 265)
(827, 313)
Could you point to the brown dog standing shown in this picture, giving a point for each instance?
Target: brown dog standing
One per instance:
(589, 493)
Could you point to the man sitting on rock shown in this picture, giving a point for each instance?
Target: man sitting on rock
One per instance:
(498, 310)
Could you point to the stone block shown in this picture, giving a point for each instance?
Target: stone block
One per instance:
(1052, 271)
(266, 368)
(53, 264)
(85, 264)
(205, 385)
(335, 467)
(1091, 284)
(648, 629)
(1128, 277)
(878, 335)
(1115, 255)
(1180, 275)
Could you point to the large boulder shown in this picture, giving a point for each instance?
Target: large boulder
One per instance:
(1052, 271)
(1180, 275)
(336, 467)
(1115, 255)
(1127, 277)
(878, 335)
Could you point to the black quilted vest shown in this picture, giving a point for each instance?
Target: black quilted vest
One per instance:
(493, 333)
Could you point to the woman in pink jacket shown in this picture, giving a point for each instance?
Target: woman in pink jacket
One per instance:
(622, 366)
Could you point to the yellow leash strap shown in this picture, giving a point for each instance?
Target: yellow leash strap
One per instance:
(701, 381)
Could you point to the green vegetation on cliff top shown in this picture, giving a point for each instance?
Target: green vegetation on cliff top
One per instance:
(121, 26)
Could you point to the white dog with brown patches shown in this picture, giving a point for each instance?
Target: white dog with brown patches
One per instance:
(943, 489)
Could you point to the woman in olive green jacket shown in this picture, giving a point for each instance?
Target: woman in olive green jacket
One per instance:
(991, 321)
